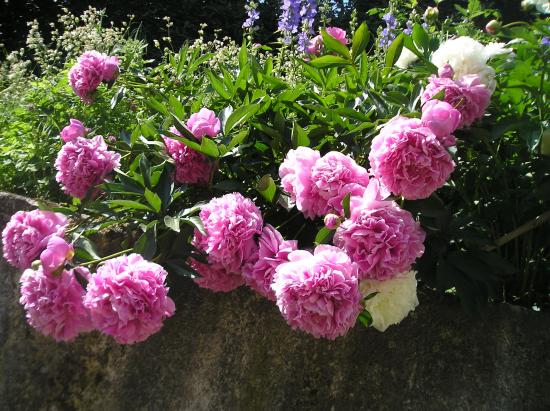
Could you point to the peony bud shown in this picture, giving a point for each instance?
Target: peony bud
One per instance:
(332, 221)
(431, 15)
(74, 130)
(56, 253)
(446, 72)
(493, 27)
(440, 117)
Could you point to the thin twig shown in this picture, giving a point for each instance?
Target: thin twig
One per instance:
(528, 226)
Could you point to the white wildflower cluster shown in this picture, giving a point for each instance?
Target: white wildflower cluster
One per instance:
(72, 35)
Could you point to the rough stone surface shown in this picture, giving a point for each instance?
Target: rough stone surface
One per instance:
(234, 351)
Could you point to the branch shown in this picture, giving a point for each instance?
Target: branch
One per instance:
(528, 226)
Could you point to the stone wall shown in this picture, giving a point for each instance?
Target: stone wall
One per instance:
(234, 351)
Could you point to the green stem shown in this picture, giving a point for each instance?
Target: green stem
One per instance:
(99, 260)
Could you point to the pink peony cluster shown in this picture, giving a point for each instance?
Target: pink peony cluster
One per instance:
(383, 239)
(468, 94)
(318, 293)
(127, 298)
(231, 223)
(273, 250)
(74, 130)
(319, 184)
(204, 123)
(27, 234)
(192, 167)
(83, 163)
(54, 303)
(409, 159)
(316, 43)
(91, 69)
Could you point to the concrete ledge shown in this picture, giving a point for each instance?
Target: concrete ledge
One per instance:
(234, 351)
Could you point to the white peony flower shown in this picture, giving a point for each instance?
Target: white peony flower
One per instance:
(406, 58)
(396, 298)
(543, 6)
(468, 56)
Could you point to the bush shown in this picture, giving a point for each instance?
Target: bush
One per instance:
(220, 152)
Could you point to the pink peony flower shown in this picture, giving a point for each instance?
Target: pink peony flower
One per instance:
(318, 293)
(56, 253)
(335, 175)
(273, 251)
(315, 45)
(73, 130)
(110, 68)
(54, 304)
(90, 70)
(86, 75)
(128, 299)
(338, 34)
(231, 222)
(383, 239)
(215, 277)
(192, 167)
(468, 95)
(27, 234)
(84, 163)
(295, 173)
(409, 159)
(204, 123)
(442, 119)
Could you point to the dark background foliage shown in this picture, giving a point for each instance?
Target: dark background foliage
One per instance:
(187, 15)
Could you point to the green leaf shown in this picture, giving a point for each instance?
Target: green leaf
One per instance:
(299, 136)
(145, 169)
(196, 222)
(312, 72)
(394, 50)
(345, 205)
(129, 204)
(153, 199)
(157, 106)
(328, 61)
(267, 188)
(365, 318)
(238, 138)
(332, 44)
(86, 248)
(217, 84)
(209, 147)
(243, 55)
(239, 116)
(324, 236)
(172, 223)
(146, 245)
(420, 37)
(176, 106)
(117, 97)
(360, 41)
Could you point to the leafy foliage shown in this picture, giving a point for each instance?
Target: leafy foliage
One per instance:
(269, 103)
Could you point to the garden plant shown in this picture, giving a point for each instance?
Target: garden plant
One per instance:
(335, 171)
